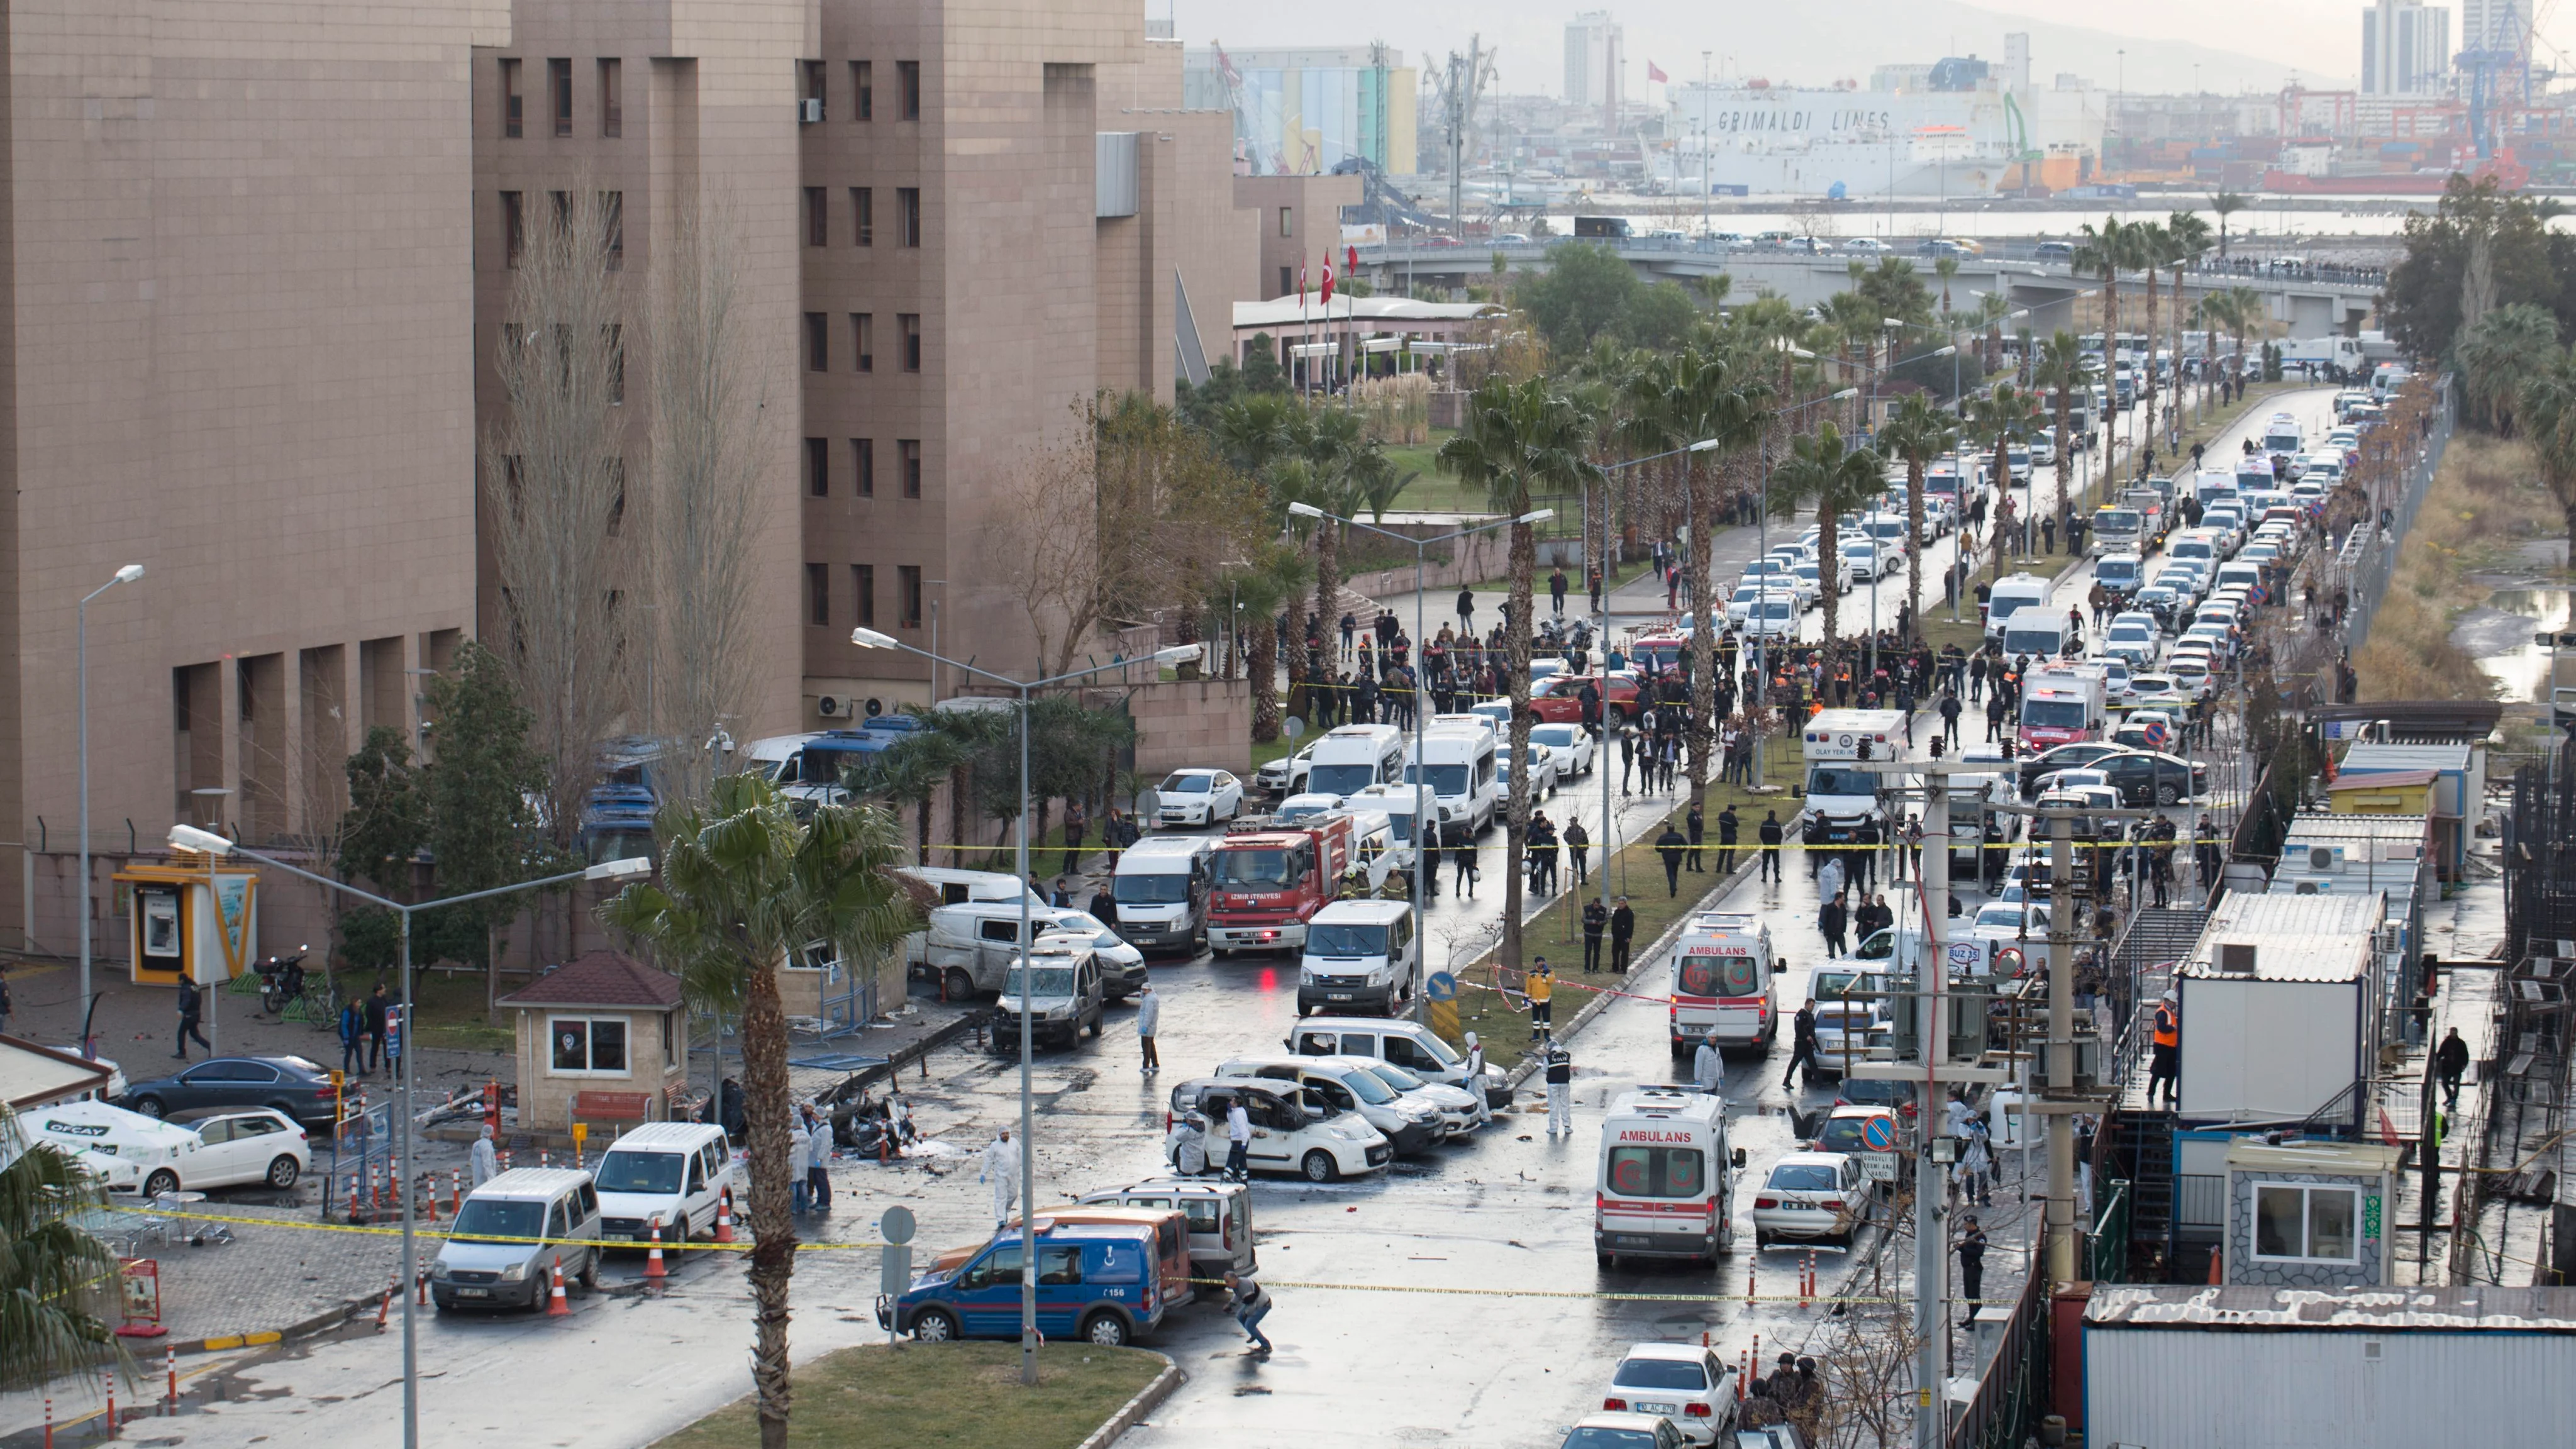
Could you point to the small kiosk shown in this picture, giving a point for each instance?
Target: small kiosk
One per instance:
(193, 916)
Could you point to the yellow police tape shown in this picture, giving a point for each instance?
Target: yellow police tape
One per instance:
(803, 1247)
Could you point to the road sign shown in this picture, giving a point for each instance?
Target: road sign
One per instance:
(1292, 726)
(896, 1224)
(895, 1272)
(1442, 1018)
(1879, 1135)
(1440, 986)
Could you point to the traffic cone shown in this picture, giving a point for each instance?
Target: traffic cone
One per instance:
(654, 1272)
(455, 1193)
(170, 1364)
(423, 1300)
(557, 1306)
(392, 1287)
(111, 1401)
(724, 1215)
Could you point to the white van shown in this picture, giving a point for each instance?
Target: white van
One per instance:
(1839, 798)
(2036, 632)
(1666, 1186)
(1459, 764)
(667, 1175)
(1162, 892)
(1726, 981)
(1294, 1129)
(1359, 956)
(1395, 805)
(969, 947)
(2010, 594)
(954, 886)
(1407, 1044)
(164, 1152)
(1353, 757)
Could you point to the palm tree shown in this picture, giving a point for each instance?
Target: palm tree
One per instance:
(1917, 432)
(2226, 204)
(1274, 575)
(2498, 352)
(908, 772)
(1709, 404)
(1946, 267)
(2148, 246)
(1517, 440)
(2006, 415)
(2547, 403)
(2104, 253)
(2246, 311)
(2061, 371)
(50, 1265)
(2189, 239)
(742, 885)
(1822, 473)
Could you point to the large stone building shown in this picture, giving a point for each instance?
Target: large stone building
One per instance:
(238, 309)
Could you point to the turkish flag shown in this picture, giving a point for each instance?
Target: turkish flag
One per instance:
(1328, 281)
(1655, 74)
(1352, 256)
(1301, 281)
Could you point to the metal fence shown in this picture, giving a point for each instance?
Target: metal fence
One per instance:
(2200, 1200)
(2003, 1413)
(2369, 556)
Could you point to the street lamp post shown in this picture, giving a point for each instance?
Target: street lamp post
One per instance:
(1425, 799)
(871, 639)
(126, 575)
(206, 842)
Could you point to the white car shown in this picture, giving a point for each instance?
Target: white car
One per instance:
(254, 1145)
(1684, 1382)
(1811, 1197)
(1741, 603)
(1198, 797)
(1284, 775)
(1866, 559)
(1542, 769)
(1775, 617)
(1299, 807)
(1457, 1109)
(2135, 643)
(1572, 747)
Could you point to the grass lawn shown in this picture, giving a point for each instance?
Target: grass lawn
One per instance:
(927, 1396)
(1620, 577)
(1557, 932)
(449, 1005)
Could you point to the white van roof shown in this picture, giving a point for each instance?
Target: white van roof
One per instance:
(88, 1121)
(1706, 1110)
(665, 1137)
(1155, 852)
(979, 885)
(1364, 913)
(531, 1182)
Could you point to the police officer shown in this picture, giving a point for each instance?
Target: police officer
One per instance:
(1595, 921)
(1560, 1089)
(1623, 934)
(1802, 1038)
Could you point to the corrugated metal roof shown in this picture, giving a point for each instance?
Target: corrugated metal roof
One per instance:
(2321, 829)
(2360, 1158)
(2295, 938)
(2381, 1310)
(2371, 756)
(2384, 779)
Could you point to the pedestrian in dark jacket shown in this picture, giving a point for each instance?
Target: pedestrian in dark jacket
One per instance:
(1832, 919)
(191, 1003)
(353, 1041)
(1972, 1264)
(1671, 845)
(377, 1001)
(1802, 1043)
(1727, 825)
(1595, 921)
(1623, 934)
(2451, 1062)
(1770, 837)
(1697, 828)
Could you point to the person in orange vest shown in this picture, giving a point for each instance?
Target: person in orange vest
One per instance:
(2166, 1068)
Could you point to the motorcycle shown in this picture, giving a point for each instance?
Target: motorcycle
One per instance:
(281, 981)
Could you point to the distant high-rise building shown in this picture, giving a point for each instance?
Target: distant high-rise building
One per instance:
(2494, 24)
(2016, 76)
(2406, 47)
(1594, 44)
(1304, 110)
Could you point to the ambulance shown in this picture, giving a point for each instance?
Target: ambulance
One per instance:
(1667, 1178)
(1725, 980)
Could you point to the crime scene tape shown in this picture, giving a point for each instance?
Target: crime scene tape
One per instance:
(425, 1229)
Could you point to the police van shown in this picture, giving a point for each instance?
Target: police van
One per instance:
(1726, 981)
(1666, 1187)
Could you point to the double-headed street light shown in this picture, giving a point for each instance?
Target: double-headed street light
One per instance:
(125, 575)
(1426, 800)
(1177, 654)
(206, 842)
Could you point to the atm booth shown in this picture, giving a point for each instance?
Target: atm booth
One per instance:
(193, 917)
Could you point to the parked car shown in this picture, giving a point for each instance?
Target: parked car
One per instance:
(511, 1234)
(1811, 1197)
(1095, 1281)
(2146, 777)
(1572, 747)
(1686, 1383)
(1198, 797)
(1875, 1135)
(1622, 1431)
(299, 1087)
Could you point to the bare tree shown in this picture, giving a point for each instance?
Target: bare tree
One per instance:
(703, 513)
(554, 480)
(1041, 542)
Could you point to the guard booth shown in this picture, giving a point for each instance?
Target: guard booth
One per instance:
(191, 917)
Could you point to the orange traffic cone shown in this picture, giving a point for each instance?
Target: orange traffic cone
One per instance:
(386, 1306)
(654, 1272)
(557, 1306)
(724, 1216)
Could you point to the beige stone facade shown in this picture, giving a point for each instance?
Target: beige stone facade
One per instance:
(237, 287)
(1301, 226)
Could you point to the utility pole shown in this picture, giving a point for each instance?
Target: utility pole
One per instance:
(2061, 1047)
(1457, 146)
(1931, 1239)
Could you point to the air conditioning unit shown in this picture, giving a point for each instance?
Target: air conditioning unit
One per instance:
(2325, 857)
(810, 111)
(876, 706)
(2236, 957)
(832, 706)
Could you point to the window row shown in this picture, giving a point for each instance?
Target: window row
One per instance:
(611, 222)
(611, 87)
(863, 216)
(863, 89)
(863, 595)
(863, 341)
(863, 467)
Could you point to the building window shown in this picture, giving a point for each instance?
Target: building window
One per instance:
(612, 229)
(908, 579)
(818, 343)
(514, 225)
(907, 74)
(911, 449)
(909, 323)
(559, 89)
(1287, 221)
(863, 91)
(907, 206)
(2300, 1222)
(818, 217)
(863, 205)
(814, 81)
(863, 587)
(616, 365)
(818, 467)
(863, 339)
(612, 100)
(863, 466)
(1287, 281)
(818, 595)
(512, 118)
(586, 1046)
